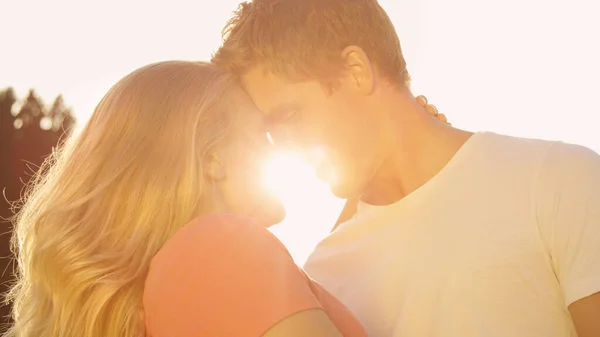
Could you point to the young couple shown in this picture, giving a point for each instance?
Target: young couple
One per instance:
(151, 221)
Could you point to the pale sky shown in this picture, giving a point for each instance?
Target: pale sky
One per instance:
(527, 68)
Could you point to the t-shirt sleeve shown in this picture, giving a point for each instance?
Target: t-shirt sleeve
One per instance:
(223, 276)
(568, 211)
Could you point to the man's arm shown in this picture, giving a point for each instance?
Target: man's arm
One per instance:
(586, 315)
(568, 213)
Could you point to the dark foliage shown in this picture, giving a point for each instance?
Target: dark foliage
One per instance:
(28, 132)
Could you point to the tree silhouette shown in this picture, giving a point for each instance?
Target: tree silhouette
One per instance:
(28, 132)
(31, 112)
(60, 116)
(7, 100)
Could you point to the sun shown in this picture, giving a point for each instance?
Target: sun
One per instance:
(311, 208)
(286, 174)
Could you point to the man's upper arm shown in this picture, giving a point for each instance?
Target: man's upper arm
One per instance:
(586, 315)
(568, 199)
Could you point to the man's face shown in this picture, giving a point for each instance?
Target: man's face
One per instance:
(340, 126)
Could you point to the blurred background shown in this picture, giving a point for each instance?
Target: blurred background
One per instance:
(527, 68)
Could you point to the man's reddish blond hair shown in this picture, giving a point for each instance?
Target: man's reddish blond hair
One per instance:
(303, 39)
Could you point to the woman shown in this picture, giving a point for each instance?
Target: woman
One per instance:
(101, 244)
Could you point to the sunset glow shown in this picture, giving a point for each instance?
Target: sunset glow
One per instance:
(506, 67)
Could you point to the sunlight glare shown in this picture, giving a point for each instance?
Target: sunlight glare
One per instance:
(287, 173)
(311, 208)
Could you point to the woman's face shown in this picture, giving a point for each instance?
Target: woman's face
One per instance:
(244, 156)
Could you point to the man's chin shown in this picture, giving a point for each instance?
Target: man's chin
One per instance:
(337, 185)
(343, 191)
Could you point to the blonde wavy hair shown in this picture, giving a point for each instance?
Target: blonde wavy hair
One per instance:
(109, 199)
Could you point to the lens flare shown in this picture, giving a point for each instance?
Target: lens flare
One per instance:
(286, 172)
(311, 208)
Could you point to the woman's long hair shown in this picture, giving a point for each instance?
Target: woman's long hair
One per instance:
(110, 198)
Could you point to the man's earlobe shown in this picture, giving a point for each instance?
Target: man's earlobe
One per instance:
(360, 69)
(215, 169)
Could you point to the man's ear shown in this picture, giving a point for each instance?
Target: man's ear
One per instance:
(360, 69)
(214, 168)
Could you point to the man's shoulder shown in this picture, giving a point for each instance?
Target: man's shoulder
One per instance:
(571, 152)
(512, 143)
(571, 164)
(547, 162)
(509, 153)
(547, 152)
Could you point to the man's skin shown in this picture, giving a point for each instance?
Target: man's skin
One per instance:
(399, 144)
(351, 204)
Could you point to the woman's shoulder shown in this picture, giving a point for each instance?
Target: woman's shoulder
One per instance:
(220, 269)
(230, 225)
(212, 241)
(223, 275)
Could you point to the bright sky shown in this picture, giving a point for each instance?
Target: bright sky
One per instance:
(520, 67)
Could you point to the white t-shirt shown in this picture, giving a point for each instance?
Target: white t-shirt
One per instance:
(498, 243)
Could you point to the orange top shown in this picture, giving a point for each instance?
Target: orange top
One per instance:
(227, 276)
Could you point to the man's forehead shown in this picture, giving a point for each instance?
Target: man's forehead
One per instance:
(264, 74)
(267, 90)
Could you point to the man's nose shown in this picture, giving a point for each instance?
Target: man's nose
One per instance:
(314, 156)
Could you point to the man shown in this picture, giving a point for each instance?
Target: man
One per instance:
(456, 234)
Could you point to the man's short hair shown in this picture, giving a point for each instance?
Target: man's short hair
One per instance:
(304, 39)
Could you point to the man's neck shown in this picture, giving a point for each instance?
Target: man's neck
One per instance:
(418, 149)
